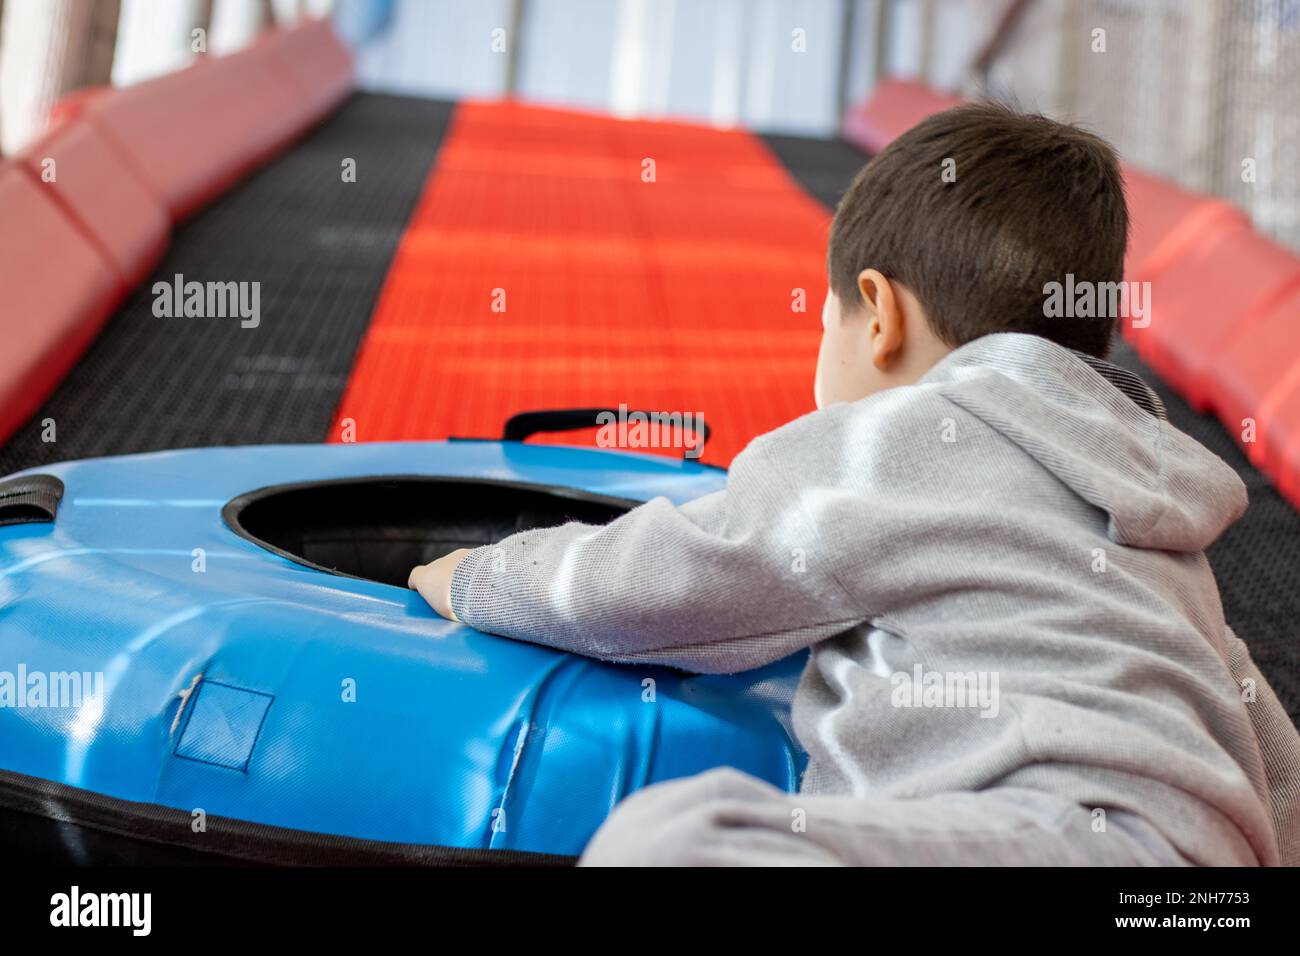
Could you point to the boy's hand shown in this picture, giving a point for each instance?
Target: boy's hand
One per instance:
(433, 581)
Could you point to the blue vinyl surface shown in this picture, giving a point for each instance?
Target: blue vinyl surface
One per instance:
(454, 738)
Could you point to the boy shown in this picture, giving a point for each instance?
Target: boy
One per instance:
(979, 496)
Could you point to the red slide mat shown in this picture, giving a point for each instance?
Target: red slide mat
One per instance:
(677, 294)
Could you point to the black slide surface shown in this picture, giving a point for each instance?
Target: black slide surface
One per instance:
(823, 167)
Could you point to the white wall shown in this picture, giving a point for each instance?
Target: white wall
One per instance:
(560, 63)
(721, 61)
(153, 37)
(438, 48)
(29, 36)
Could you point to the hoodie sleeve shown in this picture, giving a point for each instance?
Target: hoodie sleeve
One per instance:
(725, 583)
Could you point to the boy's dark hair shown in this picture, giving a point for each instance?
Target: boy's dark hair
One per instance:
(1032, 200)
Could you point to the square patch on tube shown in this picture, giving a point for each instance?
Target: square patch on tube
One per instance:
(223, 725)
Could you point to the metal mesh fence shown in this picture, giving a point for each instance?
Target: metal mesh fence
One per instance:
(1204, 92)
(1259, 149)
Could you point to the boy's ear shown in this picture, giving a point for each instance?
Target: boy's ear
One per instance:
(886, 317)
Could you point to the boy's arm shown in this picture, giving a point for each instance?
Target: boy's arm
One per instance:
(728, 582)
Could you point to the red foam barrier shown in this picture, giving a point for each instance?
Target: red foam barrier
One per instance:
(1166, 221)
(313, 58)
(192, 133)
(126, 164)
(196, 132)
(72, 105)
(104, 195)
(1206, 299)
(56, 290)
(1257, 379)
(895, 107)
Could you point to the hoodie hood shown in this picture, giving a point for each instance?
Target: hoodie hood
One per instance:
(1101, 431)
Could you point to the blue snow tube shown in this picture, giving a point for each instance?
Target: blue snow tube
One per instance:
(211, 655)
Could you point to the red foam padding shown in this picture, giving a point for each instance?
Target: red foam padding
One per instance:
(675, 295)
(894, 108)
(1166, 221)
(72, 105)
(196, 132)
(104, 195)
(314, 58)
(1257, 377)
(56, 290)
(1204, 300)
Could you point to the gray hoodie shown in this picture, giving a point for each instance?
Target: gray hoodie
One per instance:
(1000, 571)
